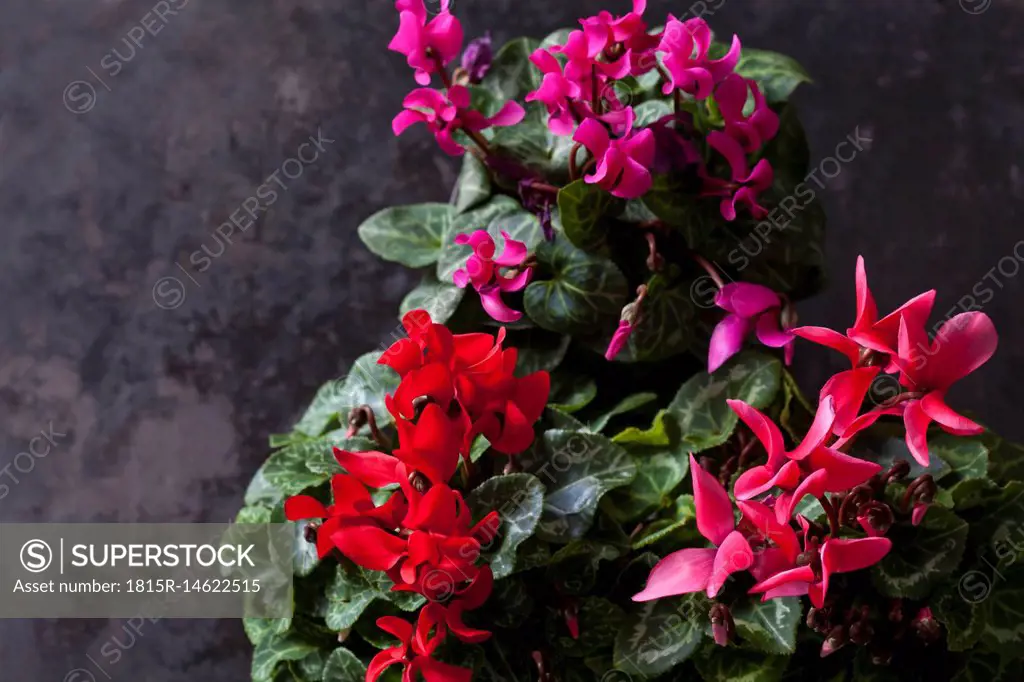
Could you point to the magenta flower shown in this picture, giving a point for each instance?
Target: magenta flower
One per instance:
(869, 332)
(619, 339)
(835, 555)
(686, 44)
(604, 30)
(623, 163)
(744, 185)
(848, 390)
(809, 469)
(427, 47)
(446, 115)
(962, 345)
(693, 570)
(751, 131)
(556, 93)
(751, 308)
(483, 272)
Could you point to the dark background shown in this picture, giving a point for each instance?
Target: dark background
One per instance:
(167, 411)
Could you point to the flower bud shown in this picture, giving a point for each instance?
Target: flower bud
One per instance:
(477, 58)
(927, 628)
(836, 640)
(722, 625)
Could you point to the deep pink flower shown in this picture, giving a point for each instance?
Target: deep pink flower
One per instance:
(446, 115)
(483, 272)
(837, 555)
(809, 469)
(744, 185)
(623, 163)
(556, 93)
(963, 344)
(879, 335)
(686, 44)
(751, 131)
(619, 339)
(751, 308)
(848, 390)
(693, 570)
(604, 30)
(425, 44)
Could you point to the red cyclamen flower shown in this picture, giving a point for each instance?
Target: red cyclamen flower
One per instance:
(427, 46)
(809, 469)
(414, 650)
(692, 569)
(483, 271)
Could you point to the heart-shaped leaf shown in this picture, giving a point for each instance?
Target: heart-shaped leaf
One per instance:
(410, 235)
(519, 500)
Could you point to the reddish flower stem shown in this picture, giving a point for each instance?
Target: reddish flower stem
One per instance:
(833, 515)
(446, 80)
(708, 268)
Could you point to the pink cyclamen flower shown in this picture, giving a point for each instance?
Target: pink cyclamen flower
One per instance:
(848, 390)
(427, 46)
(744, 185)
(686, 44)
(483, 272)
(751, 308)
(836, 555)
(604, 30)
(809, 469)
(868, 331)
(962, 345)
(623, 163)
(556, 92)
(619, 339)
(752, 131)
(692, 569)
(446, 115)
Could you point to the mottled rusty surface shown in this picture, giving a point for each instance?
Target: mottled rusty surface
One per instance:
(165, 412)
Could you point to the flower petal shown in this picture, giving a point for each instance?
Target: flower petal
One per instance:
(726, 340)
(681, 572)
(733, 555)
(715, 519)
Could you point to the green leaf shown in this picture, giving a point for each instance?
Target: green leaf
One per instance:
(256, 514)
(343, 666)
(656, 436)
(649, 112)
(584, 293)
(657, 476)
(770, 626)
(559, 37)
(675, 201)
(661, 635)
(684, 515)
(967, 457)
(577, 469)
(582, 206)
(980, 666)
(570, 393)
(666, 326)
(473, 186)
(439, 299)
(410, 235)
(366, 384)
(258, 629)
(511, 603)
(921, 556)
(886, 444)
(573, 569)
(497, 214)
(512, 74)
(353, 588)
(1006, 459)
(737, 665)
(699, 407)
(628, 404)
(955, 607)
(540, 350)
(286, 470)
(319, 452)
(277, 649)
(776, 74)
(519, 500)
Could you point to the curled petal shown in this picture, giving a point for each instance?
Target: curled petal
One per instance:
(490, 298)
(714, 509)
(681, 572)
(733, 555)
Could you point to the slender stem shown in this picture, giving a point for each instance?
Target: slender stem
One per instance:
(832, 513)
(479, 140)
(544, 187)
(708, 268)
(446, 79)
(573, 171)
(595, 94)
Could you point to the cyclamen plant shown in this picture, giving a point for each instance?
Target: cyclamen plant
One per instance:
(480, 500)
